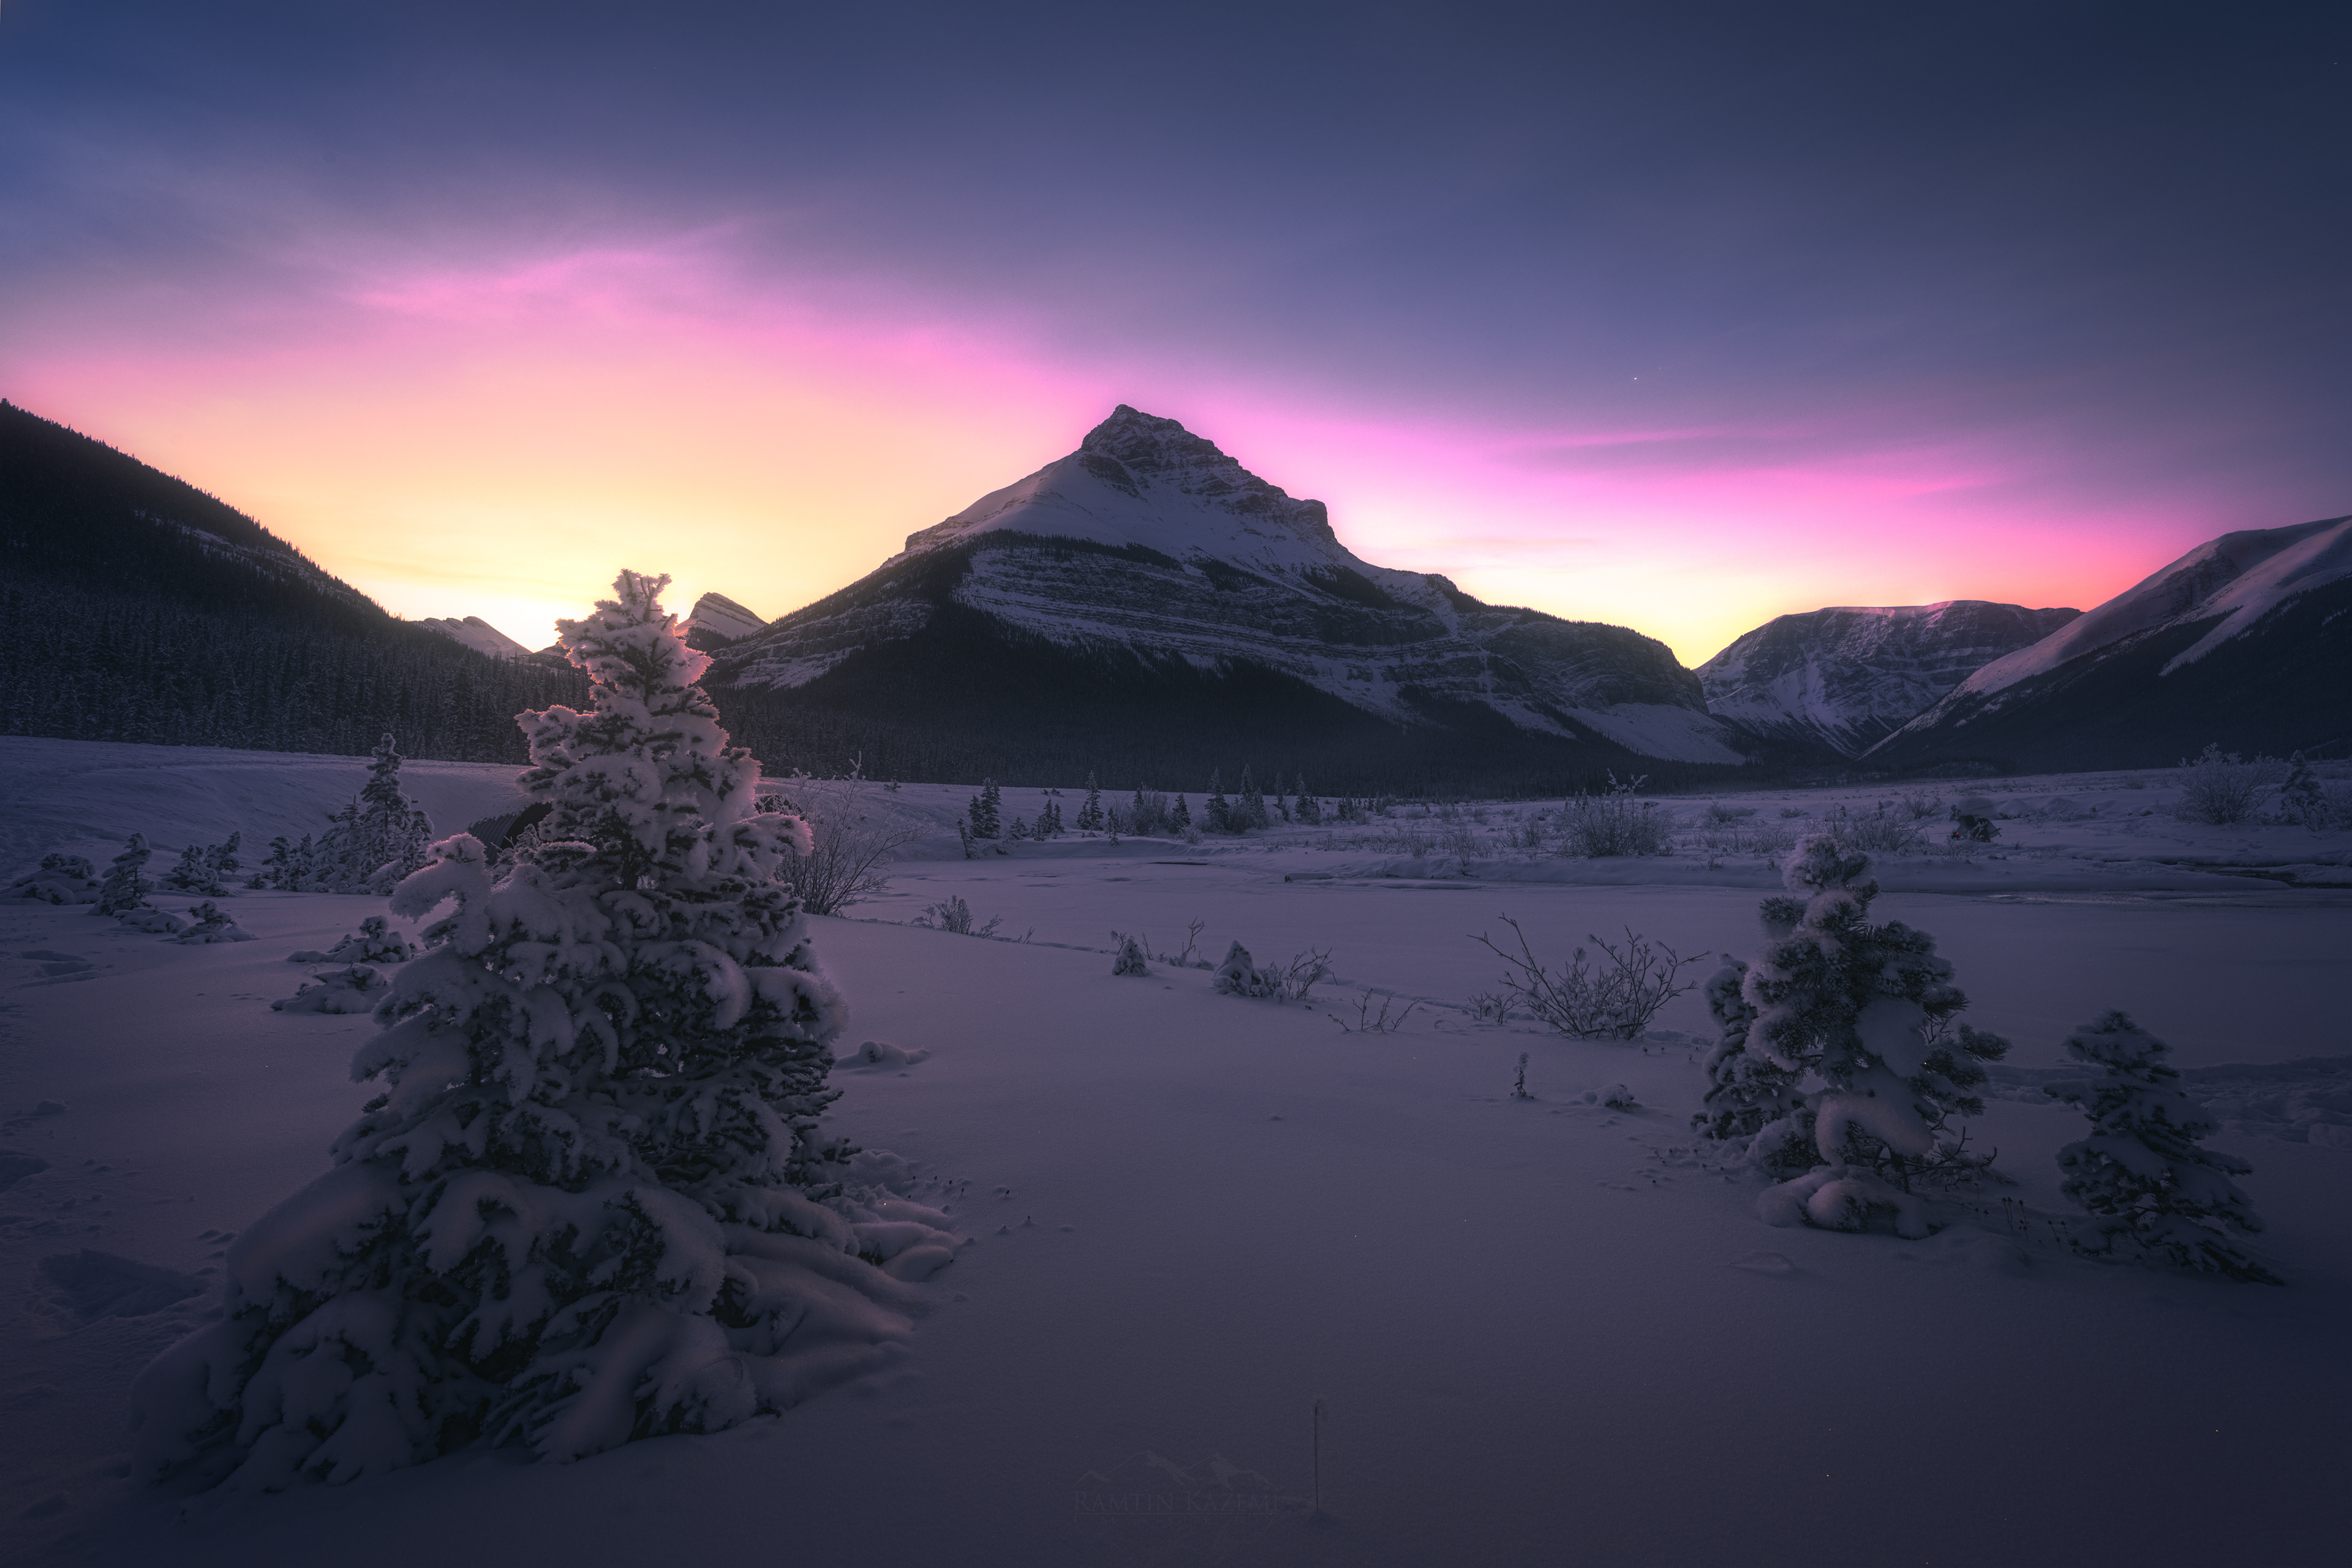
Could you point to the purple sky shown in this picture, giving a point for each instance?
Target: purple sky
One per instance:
(1677, 316)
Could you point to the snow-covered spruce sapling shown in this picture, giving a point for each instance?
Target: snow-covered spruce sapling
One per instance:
(1131, 959)
(1239, 976)
(986, 811)
(1306, 809)
(2302, 799)
(592, 1204)
(375, 942)
(194, 873)
(2154, 1194)
(1090, 814)
(209, 923)
(1868, 1011)
(354, 988)
(125, 888)
(1217, 813)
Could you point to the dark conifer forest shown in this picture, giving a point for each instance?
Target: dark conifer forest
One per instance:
(140, 609)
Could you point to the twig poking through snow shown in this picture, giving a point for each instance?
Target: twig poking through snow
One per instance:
(1613, 1001)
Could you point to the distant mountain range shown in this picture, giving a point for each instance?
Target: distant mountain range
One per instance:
(1845, 678)
(2245, 642)
(1148, 607)
(139, 609)
(1148, 610)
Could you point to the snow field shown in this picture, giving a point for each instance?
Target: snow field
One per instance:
(1546, 1329)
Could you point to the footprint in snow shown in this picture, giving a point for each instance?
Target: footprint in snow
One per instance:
(1765, 1263)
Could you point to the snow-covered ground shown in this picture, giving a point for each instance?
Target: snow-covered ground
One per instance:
(1543, 1330)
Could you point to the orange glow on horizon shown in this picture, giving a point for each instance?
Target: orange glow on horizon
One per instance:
(496, 441)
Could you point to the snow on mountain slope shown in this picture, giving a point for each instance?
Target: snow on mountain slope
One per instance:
(1150, 541)
(2243, 641)
(477, 634)
(721, 619)
(2237, 578)
(1847, 677)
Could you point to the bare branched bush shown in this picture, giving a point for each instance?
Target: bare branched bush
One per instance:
(955, 916)
(1615, 824)
(1922, 803)
(1388, 1020)
(2218, 789)
(1492, 1006)
(1294, 980)
(854, 844)
(1884, 831)
(1613, 998)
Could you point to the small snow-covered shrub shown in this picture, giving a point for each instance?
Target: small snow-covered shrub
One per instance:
(61, 879)
(355, 988)
(1788, 812)
(2219, 788)
(1921, 805)
(154, 922)
(1129, 959)
(375, 942)
(2154, 1194)
(953, 915)
(2303, 800)
(1884, 831)
(1719, 815)
(1614, 998)
(1616, 823)
(1239, 975)
(125, 888)
(208, 923)
(1492, 1006)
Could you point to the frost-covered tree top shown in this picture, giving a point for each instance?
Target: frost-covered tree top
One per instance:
(592, 1204)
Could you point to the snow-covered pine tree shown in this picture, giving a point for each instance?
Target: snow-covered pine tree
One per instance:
(192, 872)
(1745, 1090)
(1216, 812)
(1129, 959)
(2154, 1194)
(382, 834)
(1182, 818)
(1249, 803)
(224, 857)
(1020, 828)
(1307, 809)
(1090, 814)
(1870, 1011)
(125, 888)
(987, 810)
(2302, 799)
(592, 1204)
(1049, 820)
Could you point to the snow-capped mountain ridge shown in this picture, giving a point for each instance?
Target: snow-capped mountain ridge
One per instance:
(2241, 641)
(1148, 541)
(477, 634)
(1847, 676)
(2233, 582)
(721, 620)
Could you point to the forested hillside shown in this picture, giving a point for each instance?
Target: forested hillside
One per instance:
(139, 609)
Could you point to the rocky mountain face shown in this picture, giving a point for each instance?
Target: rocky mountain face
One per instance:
(2246, 642)
(478, 634)
(1169, 593)
(716, 620)
(1847, 678)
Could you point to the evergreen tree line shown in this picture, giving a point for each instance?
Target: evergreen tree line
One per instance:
(87, 667)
